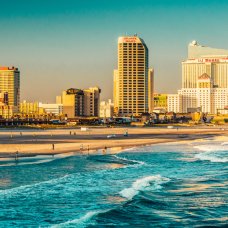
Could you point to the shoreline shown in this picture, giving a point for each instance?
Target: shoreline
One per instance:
(32, 144)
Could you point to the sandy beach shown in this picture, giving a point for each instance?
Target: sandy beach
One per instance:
(54, 141)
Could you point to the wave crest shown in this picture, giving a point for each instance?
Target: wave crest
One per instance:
(212, 157)
(80, 222)
(212, 148)
(142, 184)
(132, 162)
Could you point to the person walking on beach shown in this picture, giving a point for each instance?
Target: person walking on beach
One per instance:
(53, 146)
(105, 150)
(16, 155)
(88, 149)
(81, 147)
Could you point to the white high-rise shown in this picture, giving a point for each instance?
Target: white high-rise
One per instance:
(204, 80)
(201, 59)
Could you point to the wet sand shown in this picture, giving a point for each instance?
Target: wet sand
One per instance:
(56, 141)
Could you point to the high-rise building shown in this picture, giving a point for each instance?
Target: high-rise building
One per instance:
(84, 103)
(116, 91)
(197, 51)
(201, 59)
(92, 101)
(204, 80)
(133, 80)
(151, 90)
(73, 102)
(10, 86)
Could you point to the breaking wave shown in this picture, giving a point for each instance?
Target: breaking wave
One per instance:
(143, 184)
(116, 160)
(212, 157)
(79, 222)
(213, 153)
(131, 162)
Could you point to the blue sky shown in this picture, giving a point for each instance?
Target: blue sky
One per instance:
(60, 44)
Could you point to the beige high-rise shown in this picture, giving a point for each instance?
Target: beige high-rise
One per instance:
(10, 86)
(133, 80)
(81, 103)
(92, 101)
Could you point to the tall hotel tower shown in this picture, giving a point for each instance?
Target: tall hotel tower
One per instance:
(204, 81)
(10, 88)
(202, 59)
(133, 80)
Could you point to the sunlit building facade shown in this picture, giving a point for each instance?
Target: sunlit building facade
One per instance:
(204, 80)
(174, 103)
(133, 80)
(29, 108)
(92, 101)
(51, 109)
(201, 59)
(160, 100)
(205, 97)
(81, 103)
(10, 87)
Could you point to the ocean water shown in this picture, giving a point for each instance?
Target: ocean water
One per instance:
(165, 185)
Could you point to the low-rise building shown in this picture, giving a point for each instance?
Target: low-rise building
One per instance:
(160, 101)
(106, 109)
(6, 110)
(174, 102)
(54, 109)
(37, 109)
(29, 108)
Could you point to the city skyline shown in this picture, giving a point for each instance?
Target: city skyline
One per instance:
(69, 42)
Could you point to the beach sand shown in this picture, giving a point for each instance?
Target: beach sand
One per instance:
(56, 141)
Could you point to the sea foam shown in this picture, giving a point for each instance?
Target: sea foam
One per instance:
(79, 222)
(212, 157)
(213, 153)
(28, 189)
(209, 148)
(142, 184)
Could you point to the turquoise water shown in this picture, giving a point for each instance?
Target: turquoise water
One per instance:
(184, 185)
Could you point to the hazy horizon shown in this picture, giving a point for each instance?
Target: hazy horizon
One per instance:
(58, 45)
